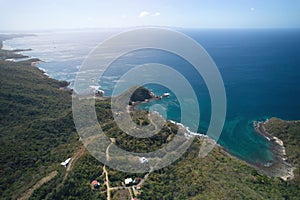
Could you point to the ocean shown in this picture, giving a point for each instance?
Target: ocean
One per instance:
(260, 69)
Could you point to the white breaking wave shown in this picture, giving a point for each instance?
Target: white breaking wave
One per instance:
(188, 131)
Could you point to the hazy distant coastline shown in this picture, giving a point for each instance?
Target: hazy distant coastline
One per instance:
(15, 53)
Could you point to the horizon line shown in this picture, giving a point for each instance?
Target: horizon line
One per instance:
(148, 26)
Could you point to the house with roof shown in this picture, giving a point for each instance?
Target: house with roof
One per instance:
(128, 181)
(95, 184)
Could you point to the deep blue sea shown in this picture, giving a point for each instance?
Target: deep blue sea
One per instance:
(260, 69)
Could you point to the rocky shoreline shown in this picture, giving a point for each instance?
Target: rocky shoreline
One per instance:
(12, 55)
(279, 167)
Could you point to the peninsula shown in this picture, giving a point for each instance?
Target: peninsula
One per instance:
(12, 54)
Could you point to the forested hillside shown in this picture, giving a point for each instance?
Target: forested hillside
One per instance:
(37, 133)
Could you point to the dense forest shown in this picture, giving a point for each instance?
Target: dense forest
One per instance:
(36, 130)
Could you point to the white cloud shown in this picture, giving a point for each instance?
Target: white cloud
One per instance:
(155, 14)
(144, 14)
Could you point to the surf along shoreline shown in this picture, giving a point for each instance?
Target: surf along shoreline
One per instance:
(277, 168)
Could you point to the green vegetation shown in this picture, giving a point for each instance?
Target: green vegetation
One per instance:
(289, 133)
(141, 94)
(130, 143)
(37, 133)
(77, 185)
(36, 127)
(8, 54)
(217, 176)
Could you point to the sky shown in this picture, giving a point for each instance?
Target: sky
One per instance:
(74, 14)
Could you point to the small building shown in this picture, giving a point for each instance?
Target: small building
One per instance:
(95, 184)
(128, 181)
(66, 162)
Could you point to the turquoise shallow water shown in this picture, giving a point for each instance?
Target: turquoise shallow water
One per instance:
(260, 70)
